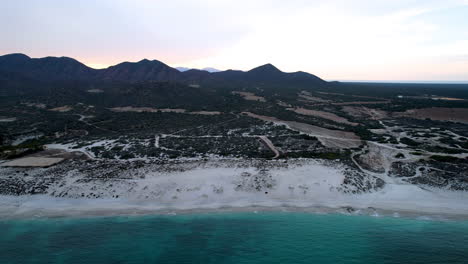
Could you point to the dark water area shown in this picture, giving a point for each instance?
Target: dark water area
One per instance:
(247, 237)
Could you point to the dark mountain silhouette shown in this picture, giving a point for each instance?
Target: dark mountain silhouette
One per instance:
(267, 69)
(67, 69)
(48, 68)
(267, 75)
(270, 72)
(197, 76)
(144, 70)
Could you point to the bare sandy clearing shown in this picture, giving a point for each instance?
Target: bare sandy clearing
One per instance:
(146, 109)
(437, 113)
(172, 110)
(308, 97)
(322, 114)
(41, 106)
(205, 113)
(250, 96)
(355, 103)
(7, 119)
(95, 91)
(163, 110)
(353, 95)
(448, 98)
(361, 103)
(133, 109)
(32, 162)
(329, 138)
(264, 118)
(365, 112)
(61, 109)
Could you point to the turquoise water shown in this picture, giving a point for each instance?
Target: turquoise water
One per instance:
(233, 238)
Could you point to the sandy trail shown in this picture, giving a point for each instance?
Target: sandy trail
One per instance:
(270, 146)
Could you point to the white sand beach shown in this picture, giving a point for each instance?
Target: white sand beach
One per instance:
(214, 186)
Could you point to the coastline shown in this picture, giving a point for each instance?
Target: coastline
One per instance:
(34, 207)
(229, 186)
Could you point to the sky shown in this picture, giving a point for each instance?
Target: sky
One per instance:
(387, 40)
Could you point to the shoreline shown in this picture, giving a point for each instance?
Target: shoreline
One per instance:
(29, 210)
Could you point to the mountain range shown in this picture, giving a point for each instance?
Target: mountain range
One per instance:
(20, 67)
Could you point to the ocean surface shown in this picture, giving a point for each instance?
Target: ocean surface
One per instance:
(246, 237)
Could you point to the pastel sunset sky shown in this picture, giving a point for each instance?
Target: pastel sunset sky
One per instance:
(335, 39)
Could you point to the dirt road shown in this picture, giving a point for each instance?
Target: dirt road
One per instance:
(270, 145)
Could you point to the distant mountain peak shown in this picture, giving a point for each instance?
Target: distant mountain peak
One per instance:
(146, 61)
(267, 68)
(16, 55)
(143, 70)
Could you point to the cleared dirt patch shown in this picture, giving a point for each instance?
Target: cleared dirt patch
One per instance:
(172, 110)
(41, 106)
(362, 103)
(95, 91)
(7, 119)
(163, 110)
(448, 99)
(61, 109)
(353, 95)
(250, 96)
(437, 113)
(322, 114)
(365, 112)
(45, 158)
(146, 109)
(205, 113)
(308, 97)
(329, 138)
(33, 162)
